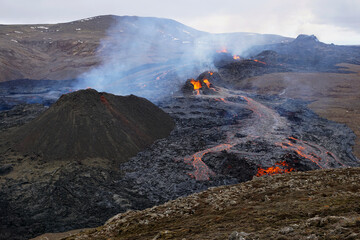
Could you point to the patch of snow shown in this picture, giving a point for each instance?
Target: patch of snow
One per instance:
(78, 29)
(175, 39)
(32, 27)
(17, 32)
(7, 34)
(185, 42)
(79, 41)
(42, 27)
(57, 30)
(13, 40)
(186, 32)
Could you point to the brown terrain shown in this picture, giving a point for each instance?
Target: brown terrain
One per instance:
(50, 51)
(66, 50)
(320, 204)
(333, 96)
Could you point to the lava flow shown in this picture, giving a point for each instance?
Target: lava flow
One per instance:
(306, 150)
(279, 168)
(202, 171)
(255, 60)
(236, 57)
(197, 86)
(207, 83)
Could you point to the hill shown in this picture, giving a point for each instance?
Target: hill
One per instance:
(66, 50)
(87, 124)
(320, 204)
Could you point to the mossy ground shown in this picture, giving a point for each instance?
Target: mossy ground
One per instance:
(323, 204)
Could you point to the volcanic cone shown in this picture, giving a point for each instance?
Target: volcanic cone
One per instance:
(87, 124)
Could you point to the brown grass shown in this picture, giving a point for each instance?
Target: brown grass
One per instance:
(263, 208)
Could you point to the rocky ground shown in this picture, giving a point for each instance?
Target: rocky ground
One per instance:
(219, 139)
(321, 204)
(331, 95)
(57, 167)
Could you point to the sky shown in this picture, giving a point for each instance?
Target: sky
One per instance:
(332, 21)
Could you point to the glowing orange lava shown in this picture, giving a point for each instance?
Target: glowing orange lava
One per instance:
(279, 168)
(236, 57)
(196, 84)
(255, 60)
(224, 50)
(306, 150)
(202, 171)
(207, 83)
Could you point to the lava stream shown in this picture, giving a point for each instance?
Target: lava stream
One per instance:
(307, 150)
(202, 171)
(279, 168)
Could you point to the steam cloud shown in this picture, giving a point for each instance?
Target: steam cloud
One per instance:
(152, 57)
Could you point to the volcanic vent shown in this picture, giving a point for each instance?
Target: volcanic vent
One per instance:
(87, 123)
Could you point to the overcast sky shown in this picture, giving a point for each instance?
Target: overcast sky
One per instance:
(332, 21)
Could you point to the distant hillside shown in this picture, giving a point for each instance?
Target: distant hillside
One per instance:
(66, 50)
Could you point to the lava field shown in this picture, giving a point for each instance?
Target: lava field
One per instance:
(230, 137)
(221, 136)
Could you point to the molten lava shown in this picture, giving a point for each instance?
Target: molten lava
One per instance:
(255, 60)
(202, 171)
(306, 150)
(207, 83)
(197, 86)
(279, 168)
(236, 57)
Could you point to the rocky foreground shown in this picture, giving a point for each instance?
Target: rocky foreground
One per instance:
(322, 204)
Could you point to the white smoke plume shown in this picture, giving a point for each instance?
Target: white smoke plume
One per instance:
(152, 57)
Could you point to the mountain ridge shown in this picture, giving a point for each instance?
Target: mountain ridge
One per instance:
(66, 50)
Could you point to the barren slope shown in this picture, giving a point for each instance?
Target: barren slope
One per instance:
(65, 50)
(304, 205)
